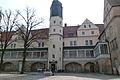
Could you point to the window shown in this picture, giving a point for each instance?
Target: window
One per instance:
(53, 56)
(60, 31)
(104, 49)
(73, 43)
(86, 42)
(53, 30)
(89, 53)
(73, 53)
(89, 26)
(53, 46)
(60, 22)
(91, 42)
(60, 49)
(81, 53)
(84, 26)
(41, 44)
(83, 33)
(66, 54)
(92, 32)
(13, 45)
(54, 22)
(60, 38)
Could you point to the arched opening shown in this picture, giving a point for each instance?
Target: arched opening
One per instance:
(89, 67)
(37, 66)
(8, 66)
(73, 67)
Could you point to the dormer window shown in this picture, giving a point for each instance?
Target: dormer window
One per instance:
(84, 26)
(89, 26)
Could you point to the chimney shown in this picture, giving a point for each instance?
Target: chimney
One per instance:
(65, 24)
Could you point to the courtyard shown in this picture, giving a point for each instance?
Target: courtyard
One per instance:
(58, 76)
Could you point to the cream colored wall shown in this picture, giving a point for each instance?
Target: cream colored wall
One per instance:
(58, 21)
(88, 32)
(80, 40)
(55, 38)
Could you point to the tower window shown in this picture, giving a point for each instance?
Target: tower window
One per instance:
(60, 31)
(53, 56)
(54, 22)
(60, 22)
(60, 49)
(53, 46)
(60, 38)
(53, 30)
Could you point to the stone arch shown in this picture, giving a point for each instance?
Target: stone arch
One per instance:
(89, 67)
(37, 65)
(73, 67)
(8, 66)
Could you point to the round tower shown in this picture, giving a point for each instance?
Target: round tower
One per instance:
(55, 50)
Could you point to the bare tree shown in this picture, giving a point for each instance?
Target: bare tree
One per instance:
(8, 21)
(29, 22)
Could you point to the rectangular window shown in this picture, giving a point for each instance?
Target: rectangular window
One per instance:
(86, 42)
(92, 32)
(83, 33)
(41, 44)
(81, 53)
(73, 43)
(91, 42)
(13, 45)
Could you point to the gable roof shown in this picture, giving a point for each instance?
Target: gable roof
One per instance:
(71, 31)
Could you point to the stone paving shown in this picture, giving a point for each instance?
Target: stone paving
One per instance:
(58, 76)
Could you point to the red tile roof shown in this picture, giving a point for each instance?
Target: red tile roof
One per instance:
(69, 31)
(41, 33)
(4, 34)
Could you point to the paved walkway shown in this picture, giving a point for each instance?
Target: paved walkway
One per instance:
(58, 76)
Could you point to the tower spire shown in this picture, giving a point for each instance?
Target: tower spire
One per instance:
(56, 9)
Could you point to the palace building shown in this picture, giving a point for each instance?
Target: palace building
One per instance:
(70, 48)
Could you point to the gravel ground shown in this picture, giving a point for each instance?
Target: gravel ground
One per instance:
(58, 76)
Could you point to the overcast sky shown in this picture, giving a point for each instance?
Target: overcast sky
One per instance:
(74, 11)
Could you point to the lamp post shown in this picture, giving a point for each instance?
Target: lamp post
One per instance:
(110, 55)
